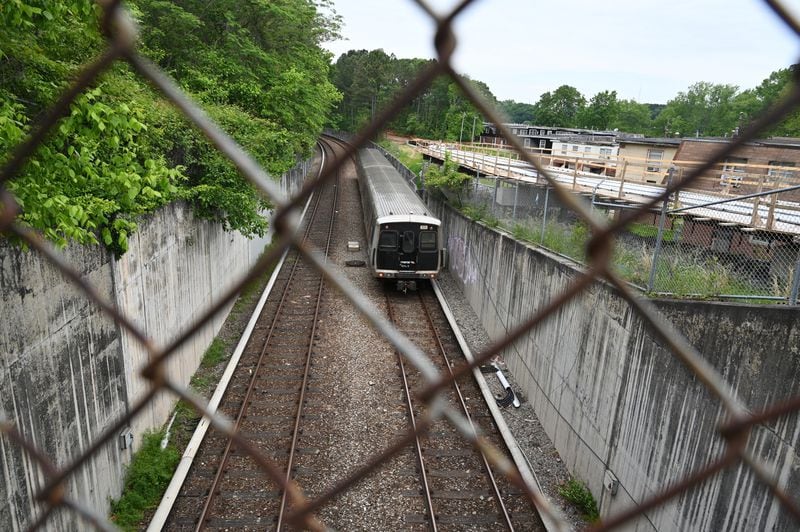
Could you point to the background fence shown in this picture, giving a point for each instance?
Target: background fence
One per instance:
(597, 229)
(664, 251)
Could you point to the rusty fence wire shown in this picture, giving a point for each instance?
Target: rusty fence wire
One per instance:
(600, 249)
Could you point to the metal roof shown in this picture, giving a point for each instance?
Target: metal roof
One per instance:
(664, 141)
(389, 192)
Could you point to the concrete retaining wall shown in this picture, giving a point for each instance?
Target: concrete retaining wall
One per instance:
(616, 402)
(68, 373)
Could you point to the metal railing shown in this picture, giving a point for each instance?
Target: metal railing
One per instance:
(600, 249)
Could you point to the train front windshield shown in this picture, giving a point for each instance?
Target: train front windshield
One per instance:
(407, 247)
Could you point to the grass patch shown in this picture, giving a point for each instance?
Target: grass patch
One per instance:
(581, 498)
(214, 354)
(569, 240)
(147, 477)
(408, 156)
(650, 231)
(480, 213)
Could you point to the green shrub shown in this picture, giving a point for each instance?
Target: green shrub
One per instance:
(408, 157)
(148, 476)
(581, 498)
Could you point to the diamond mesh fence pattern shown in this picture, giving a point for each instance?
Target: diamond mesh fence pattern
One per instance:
(667, 251)
(603, 235)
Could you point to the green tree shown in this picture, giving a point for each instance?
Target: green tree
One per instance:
(518, 112)
(560, 108)
(704, 109)
(121, 151)
(601, 112)
(447, 179)
(633, 117)
(461, 114)
(750, 103)
(368, 80)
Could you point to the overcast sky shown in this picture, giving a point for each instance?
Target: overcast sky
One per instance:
(646, 50)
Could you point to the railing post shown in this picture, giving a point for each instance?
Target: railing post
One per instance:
(659, 239)
(622, 179)
(755, 220)
(575, 174)
(771, 212)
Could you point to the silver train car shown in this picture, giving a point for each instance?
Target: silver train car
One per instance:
(404, 242)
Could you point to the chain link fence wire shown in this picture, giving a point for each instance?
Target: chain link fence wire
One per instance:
(724, 248)
(600, 240)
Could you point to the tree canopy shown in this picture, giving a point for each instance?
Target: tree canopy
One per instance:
(256, 66)
(562, 107)
(369, 80)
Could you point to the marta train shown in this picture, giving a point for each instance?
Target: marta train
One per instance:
(404, 242)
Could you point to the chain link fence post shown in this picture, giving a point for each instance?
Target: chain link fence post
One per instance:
(544, 212)
(494, 194)
(793, 293)
(516, 197)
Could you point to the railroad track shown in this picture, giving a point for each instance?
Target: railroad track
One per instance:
(460, 489)
(266, 398)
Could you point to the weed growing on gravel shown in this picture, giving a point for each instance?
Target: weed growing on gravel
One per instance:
(214, 354)
(579, 496)
(148, 475)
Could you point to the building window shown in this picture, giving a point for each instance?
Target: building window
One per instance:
(574, 147)
(780, 171)
(563, 148)
(605, 153)
(587, 149)
(654, 158)
(732, 171)
(527, 143)
(542, 144)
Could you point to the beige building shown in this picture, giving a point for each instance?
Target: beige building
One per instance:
(646, 160)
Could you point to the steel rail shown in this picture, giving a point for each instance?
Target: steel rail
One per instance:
(418, 446)
(495, 488)
(309, 352)
(251, 385)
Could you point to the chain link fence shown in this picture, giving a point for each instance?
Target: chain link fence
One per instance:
(601, 235)
(721, 252)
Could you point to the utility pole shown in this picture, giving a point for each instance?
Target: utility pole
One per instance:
(460, 135)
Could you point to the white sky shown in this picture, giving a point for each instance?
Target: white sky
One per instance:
(644, 49)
